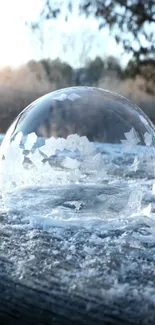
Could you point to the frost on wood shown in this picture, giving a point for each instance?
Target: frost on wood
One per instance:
(135, 201)
(135, 164)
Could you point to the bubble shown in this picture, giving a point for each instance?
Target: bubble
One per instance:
(91, 148)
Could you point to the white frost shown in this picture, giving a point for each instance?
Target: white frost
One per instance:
(31, 139)
(148, 139)
(132, 138)
(49, 148)
(18, 138)
(70, 163)
(61, 97)
(36, 158)
(73, 96)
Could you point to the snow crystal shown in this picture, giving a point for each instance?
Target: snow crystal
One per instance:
(70, 163)
(148, 139)
(61, 97)
(31, 140)
(60, 144)
(36, 158)
(14, 154)
(132, 138)
(86, 146)
(72, 142)
(74, 96)
(18, 138)
(50, 147)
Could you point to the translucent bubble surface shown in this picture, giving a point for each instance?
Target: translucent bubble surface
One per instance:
(92, 149)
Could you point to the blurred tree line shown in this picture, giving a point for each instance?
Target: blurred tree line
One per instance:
(20, 86)
(131, 22)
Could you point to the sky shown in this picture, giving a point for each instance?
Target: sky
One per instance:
(74, 41)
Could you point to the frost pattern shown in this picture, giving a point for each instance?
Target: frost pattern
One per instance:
(148, 139)
(18, 138)
(61, 97)
(31, 139)
(73, 96)
(36, 158)
(70, 163)
(132, 138)
(65, 161)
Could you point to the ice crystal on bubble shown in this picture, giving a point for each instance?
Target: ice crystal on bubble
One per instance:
(132, 138)
(73, 96)
(61, 97)
(70, 163)
(82, 144)
(31, 140)
(36, 158)
(18, 138)
(50, 147)
(148, 139)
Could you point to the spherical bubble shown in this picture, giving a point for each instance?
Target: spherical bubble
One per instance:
(91, 148)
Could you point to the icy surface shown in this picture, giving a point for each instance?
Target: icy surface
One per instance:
(97, 240)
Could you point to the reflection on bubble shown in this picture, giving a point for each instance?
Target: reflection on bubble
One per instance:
(82, 137)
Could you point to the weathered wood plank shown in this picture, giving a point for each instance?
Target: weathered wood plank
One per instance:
(73, 276)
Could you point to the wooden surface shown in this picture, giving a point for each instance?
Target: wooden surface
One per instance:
(71, 276)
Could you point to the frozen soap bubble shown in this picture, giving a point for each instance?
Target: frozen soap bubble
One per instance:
(92, 148)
